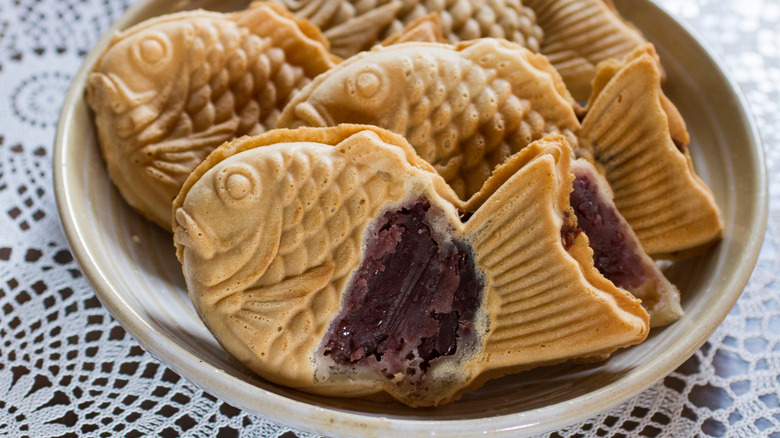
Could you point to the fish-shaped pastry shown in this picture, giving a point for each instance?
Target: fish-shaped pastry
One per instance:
(465, 108)
(352, 26)
(639, 137)
(578, 34)
(617, 252)
(334, 261)
(169, 90)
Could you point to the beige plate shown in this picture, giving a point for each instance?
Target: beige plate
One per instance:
(131, 265)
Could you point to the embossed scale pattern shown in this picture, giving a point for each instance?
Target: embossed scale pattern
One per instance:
(475, 124)
(242, 81)
(464, 112)
(513, 112)
(244, 76)
(460, 19)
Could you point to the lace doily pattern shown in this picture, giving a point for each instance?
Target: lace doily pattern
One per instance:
(68, 369)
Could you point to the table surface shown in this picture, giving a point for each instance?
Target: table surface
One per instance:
(68, 369)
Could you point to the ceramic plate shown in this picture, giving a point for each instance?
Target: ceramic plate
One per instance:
(133, 269)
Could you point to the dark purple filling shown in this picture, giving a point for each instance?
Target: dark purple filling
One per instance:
(614, 256)
(569, 231)
(679, 143)
(413, 297)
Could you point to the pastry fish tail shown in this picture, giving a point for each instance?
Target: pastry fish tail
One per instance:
(617, 252)
(363, 31)
(546, 302)
(580, 34)
(639, 138)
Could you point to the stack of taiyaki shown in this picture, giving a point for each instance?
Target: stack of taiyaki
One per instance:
(482, 192)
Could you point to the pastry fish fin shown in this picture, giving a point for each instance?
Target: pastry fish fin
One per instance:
(281, 312)
(533, 79)
(363, 31)
(290, 288)
(213, 136)
(638, 136)
(171, 161)
(545, 303)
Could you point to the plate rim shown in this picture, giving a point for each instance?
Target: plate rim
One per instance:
(298, 414)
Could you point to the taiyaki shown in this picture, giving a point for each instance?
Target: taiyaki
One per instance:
(464, 108)
(638, 136)
(578, 34)
(334, 261)
(617, 252)
(167, 91)
(352, 26)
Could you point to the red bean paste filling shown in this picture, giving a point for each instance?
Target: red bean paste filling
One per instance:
(569, 231)
(412, 299)
(613, 255)
(679, 143)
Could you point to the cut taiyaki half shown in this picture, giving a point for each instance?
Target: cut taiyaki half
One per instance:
(578, 34)
(464, 108)
(617, 252)
(352, 26)
(167, 91)
(333, 260)
(639, 138)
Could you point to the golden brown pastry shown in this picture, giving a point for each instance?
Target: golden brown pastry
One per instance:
(167, 91)
(639, 138)
(334, 261)
(617, 252)
(578, 34)
(464, 108)
(426, 28)
(352, 26)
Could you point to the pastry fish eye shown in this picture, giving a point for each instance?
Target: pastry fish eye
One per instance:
(152, 51)
(237, 185)
(370, 84)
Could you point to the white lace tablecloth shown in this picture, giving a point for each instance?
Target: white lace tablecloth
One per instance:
(68, 369)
